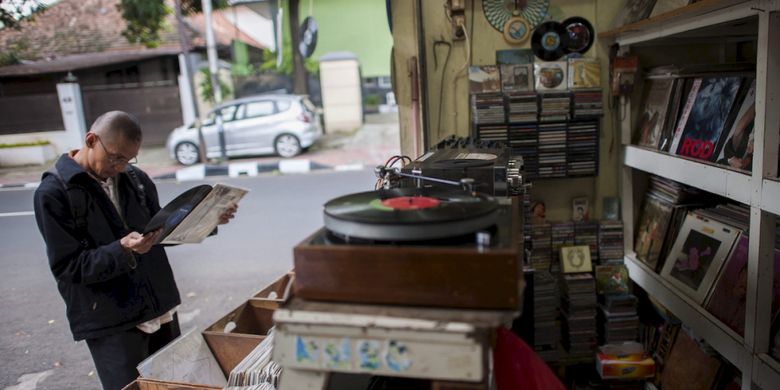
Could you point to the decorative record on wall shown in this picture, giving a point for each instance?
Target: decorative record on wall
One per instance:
(549, 40)
(498, 12)
(516, 30)
(308, 37)
(580, 33)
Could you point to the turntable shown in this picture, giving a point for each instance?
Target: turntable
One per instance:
(426, 246)
(494, 171)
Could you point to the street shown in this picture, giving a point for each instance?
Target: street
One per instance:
(36, 347)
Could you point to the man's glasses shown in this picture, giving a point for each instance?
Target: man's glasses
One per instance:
(114, 159)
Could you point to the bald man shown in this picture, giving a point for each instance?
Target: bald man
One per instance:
(118, 287)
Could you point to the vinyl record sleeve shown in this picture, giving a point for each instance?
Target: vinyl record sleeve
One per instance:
(655, 108)
(697, 255)
(193, 215)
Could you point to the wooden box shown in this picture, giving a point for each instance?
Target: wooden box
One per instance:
(235, 335)
(457, 276)
(153, 384)
(274, 294)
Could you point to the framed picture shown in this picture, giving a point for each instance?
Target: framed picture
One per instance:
(579, 209)
(698, 253)
(576, 259)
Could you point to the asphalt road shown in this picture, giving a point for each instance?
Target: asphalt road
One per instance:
(36, 348)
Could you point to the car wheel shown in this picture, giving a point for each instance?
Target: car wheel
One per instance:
(287, 145)
(187, 153)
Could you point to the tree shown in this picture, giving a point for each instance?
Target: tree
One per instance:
(299, 72)
(146, 18)
(13, 12)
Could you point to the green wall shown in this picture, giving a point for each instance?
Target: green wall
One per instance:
(357, 26)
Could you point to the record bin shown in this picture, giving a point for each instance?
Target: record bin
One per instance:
(153, 384)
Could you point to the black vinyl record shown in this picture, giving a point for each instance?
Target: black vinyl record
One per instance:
(410, 214)
(174, 212)
(580, 33)
(308, 37)
(549, 41)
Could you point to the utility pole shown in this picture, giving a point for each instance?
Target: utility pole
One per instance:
(187, 72)
(300, 84)
(211, 50)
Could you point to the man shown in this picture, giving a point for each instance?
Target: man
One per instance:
(118, 287)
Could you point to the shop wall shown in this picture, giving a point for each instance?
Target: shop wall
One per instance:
(447, 85)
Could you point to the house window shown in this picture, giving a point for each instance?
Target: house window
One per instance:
(385, 82)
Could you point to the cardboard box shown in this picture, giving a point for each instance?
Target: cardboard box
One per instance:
(275, 293)
(624, 368)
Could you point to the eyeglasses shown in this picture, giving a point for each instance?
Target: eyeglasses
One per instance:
(113, 159)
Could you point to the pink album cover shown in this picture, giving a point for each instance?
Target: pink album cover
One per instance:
(727, 301)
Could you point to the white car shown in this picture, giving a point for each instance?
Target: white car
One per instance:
(262, 124)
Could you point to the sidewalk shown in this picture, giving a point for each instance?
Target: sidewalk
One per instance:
(370, 145)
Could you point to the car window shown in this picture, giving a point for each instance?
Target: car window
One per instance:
(227, 114)
(283, 105)
(261, 108)
(308, 104)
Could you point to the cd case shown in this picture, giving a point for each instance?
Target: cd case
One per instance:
(193, 215)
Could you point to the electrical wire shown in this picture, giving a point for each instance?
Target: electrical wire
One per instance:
(468, 47)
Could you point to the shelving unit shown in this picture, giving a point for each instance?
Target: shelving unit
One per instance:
(716, 22)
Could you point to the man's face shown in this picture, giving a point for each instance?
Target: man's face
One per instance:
(111, 156)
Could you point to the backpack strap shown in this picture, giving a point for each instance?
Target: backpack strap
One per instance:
(78, 203)
(140, 190)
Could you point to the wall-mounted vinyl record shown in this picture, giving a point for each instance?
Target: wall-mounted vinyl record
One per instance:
(580, 33)
(308, 37)
(549, 40)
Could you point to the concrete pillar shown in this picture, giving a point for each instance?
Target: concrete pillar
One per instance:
(72, 110)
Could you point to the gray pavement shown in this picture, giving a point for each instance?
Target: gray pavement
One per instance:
(367, 146)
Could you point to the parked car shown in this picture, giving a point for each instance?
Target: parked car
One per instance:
(262, 124)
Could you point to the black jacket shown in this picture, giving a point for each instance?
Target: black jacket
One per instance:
(105, 290)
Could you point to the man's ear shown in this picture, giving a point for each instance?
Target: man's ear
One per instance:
(89, 139)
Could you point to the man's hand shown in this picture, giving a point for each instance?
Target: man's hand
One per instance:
(229, 213)
(138, 243)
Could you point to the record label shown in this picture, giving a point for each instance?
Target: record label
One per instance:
(410, 203)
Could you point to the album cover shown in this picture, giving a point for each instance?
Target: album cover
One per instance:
(688, 366)
(728, 296)
(737, 151)
(654, 112)
(484, 79)
(584, 73)
(193, 215)
(579, 209)
(612, 279)
(611, 208)
(576, 259)
(698, 254)
(653, 223)
(517, 78)
(550, 76)
(514, 56)
(681, 89)
(698, 134)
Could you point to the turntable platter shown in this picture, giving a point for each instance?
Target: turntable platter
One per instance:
(410, 214)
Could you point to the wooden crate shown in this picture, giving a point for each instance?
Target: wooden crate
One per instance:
(280, 289)
(250, 325)
(153, 384)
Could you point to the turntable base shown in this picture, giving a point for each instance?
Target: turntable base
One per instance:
(435, 275)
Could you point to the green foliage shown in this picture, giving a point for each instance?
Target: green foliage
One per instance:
(371, 100)
(146, 18)
(13, 12)
(23, 144)
(14, 53)
(207, 92)
(269, 61)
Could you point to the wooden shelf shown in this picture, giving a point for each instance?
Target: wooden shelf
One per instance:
(724, 340)
(770, 196)
(766, 372)
(708, 177)
(705, 13)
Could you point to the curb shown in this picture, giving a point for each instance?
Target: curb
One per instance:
(238, 169)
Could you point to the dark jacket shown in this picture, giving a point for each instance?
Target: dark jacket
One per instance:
(105, 289)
